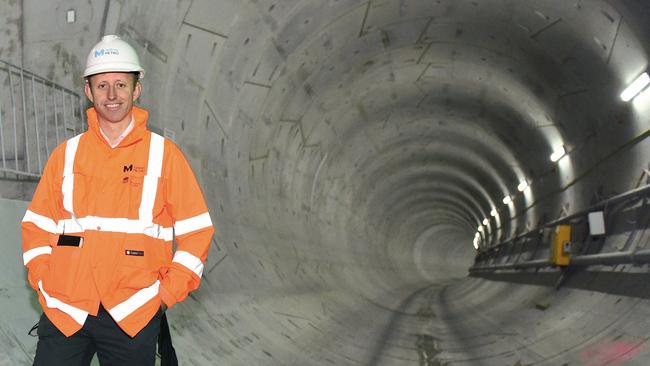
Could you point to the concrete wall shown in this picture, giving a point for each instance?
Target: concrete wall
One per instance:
(18, 302)
(348, 151)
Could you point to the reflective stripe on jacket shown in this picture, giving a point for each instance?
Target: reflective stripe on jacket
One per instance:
(101, 223)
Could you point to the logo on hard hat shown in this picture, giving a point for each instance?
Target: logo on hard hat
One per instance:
(106, 52)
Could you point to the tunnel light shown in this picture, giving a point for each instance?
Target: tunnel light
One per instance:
(480, 228)
(507, 200)
(493, 213)
(522, 185)
(558, 154)
(486, 221)
(636, 87)
(476, 243)
(70, 16)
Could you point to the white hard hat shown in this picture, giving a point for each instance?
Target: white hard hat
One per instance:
(112, 54)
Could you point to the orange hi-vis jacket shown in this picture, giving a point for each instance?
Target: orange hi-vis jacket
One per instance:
(101, 224)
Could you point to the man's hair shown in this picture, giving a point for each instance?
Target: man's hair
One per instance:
(135, 74)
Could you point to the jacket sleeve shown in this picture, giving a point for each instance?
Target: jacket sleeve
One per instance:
(192, 228)
(39, 224)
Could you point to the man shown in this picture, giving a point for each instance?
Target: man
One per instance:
(97, 236)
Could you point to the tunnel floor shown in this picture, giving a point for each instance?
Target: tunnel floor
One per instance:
(474, 321)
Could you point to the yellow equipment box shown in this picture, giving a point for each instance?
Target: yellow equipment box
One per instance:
(561, 246)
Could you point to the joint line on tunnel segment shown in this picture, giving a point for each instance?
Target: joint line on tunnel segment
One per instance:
(611, 47)
(291, 315)
(365, 17)
(305, 145)
(261, 157)
(545, 28)
(257, 84)
(218, 262)
(216, 119)
(204, 29)
(424, 31)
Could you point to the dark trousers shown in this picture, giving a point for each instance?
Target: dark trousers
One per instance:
(100, 334)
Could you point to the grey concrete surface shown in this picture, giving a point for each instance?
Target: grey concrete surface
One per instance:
(350, 149)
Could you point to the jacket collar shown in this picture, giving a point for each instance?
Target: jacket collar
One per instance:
(140, 117)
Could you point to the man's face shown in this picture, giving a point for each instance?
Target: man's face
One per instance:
(113, 94)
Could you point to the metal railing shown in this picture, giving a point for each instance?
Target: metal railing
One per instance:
(36, 115)
(534, 245)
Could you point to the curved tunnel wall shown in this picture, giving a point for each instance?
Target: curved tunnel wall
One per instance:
(350, 149)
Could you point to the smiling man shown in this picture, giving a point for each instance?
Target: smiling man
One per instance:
(113, 94)
(97, 236)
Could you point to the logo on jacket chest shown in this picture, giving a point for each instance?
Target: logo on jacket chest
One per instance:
(131, 168)
(135, 174)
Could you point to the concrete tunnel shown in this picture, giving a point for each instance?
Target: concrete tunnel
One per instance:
(356, 157)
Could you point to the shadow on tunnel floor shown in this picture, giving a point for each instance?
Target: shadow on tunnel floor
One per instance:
(616, 283)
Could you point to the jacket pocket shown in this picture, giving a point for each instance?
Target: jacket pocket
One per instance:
(64, 271)
(136, 270)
